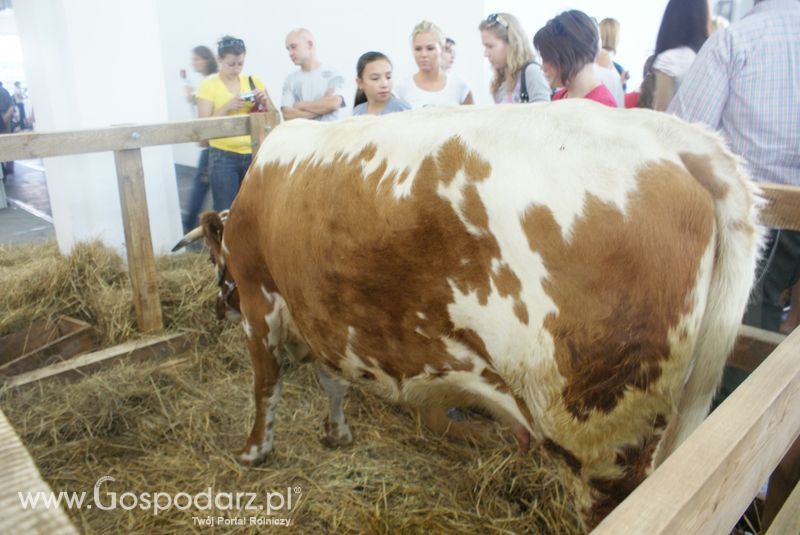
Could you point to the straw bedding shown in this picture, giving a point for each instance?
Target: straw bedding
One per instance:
(175, 425)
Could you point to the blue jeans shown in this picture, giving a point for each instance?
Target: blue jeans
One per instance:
(199, 191)
(226, 171)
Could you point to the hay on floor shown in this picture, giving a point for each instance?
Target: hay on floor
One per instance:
(174, 426)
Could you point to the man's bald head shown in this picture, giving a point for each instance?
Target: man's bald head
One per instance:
(300, 45)
(301, 33)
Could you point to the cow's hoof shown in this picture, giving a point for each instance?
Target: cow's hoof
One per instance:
(336, 436)
(250, 456)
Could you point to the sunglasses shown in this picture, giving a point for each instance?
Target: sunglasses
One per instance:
(225, 43)
(496, 18)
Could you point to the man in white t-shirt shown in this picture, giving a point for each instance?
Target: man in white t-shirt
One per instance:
(314, 91)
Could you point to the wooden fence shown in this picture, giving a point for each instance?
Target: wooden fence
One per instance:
(702, 488)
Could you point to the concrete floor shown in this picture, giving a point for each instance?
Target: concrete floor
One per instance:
(28, 217)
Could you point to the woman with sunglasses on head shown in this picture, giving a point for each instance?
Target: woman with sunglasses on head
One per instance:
(374, 79)
(568, 45)
(431, 85)
(230, 93)
(506, 47)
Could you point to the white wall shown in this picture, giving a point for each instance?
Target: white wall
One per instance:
(93, 63)
(343, 30)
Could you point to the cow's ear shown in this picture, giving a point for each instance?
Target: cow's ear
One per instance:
(212, 226)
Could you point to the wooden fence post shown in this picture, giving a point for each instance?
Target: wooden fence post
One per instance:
(136, 221)
(260, 125)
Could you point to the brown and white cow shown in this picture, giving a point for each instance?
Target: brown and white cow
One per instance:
(577, 271)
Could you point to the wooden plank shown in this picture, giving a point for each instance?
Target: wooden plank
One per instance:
(783, 206)
(788, 519)
(20, 475)
(45, 144)
(261, 124)
(136, 222)
(80, 366)
(43, 343)
(258, 131)
(709, 481)
(753, 345)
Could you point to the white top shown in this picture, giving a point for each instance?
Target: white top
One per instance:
(675, 62)
(312, 85)
(452, 94)
(610, 78)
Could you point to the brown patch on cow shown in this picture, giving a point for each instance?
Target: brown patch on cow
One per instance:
(473, 208)
(699, 167)
(562, 453)
(620, 283)
(509, 285)
(357, 266)
(635, 462)
(473, 341)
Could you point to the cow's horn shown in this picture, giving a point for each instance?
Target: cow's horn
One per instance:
(190, 237)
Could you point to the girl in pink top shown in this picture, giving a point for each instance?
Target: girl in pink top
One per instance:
(568, 45)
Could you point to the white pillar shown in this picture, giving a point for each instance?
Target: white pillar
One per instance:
(92, 64)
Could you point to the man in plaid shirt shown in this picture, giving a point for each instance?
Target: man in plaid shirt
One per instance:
(745, 82)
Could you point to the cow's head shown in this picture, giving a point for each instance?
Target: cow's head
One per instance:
(227, 306)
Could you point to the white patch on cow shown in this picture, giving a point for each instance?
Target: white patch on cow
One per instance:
(421, 315)
(421, 332)
(225, 247)
(248, 329)
(277, 327)
(267, 295)
(454, 193)
(252, 454)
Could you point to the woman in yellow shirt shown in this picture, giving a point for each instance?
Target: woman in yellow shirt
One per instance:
(229, 93)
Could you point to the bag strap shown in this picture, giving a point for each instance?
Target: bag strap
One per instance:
(252, 85)
(523, 86)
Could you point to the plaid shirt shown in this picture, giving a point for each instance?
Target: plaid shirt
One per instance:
(746, 83)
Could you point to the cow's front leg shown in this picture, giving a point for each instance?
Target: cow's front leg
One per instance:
(266, 380)
(337, 432)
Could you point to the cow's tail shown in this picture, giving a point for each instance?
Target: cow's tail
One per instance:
(738, 241)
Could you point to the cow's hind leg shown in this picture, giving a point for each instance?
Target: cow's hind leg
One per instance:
(337, 432)
(262, 324)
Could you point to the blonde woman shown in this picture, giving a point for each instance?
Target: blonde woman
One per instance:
(506, 47)
(431, 85)
(609, 37)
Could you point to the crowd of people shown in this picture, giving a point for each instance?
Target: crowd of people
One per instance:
(572, 56)
(744, 81)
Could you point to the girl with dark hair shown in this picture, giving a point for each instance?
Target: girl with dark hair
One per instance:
(684, 29)
(568, 45)
(203, 62)
(374, 80)
(230, 93)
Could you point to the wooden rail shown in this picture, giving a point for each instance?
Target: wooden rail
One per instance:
(18, 474)
(126, 142)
